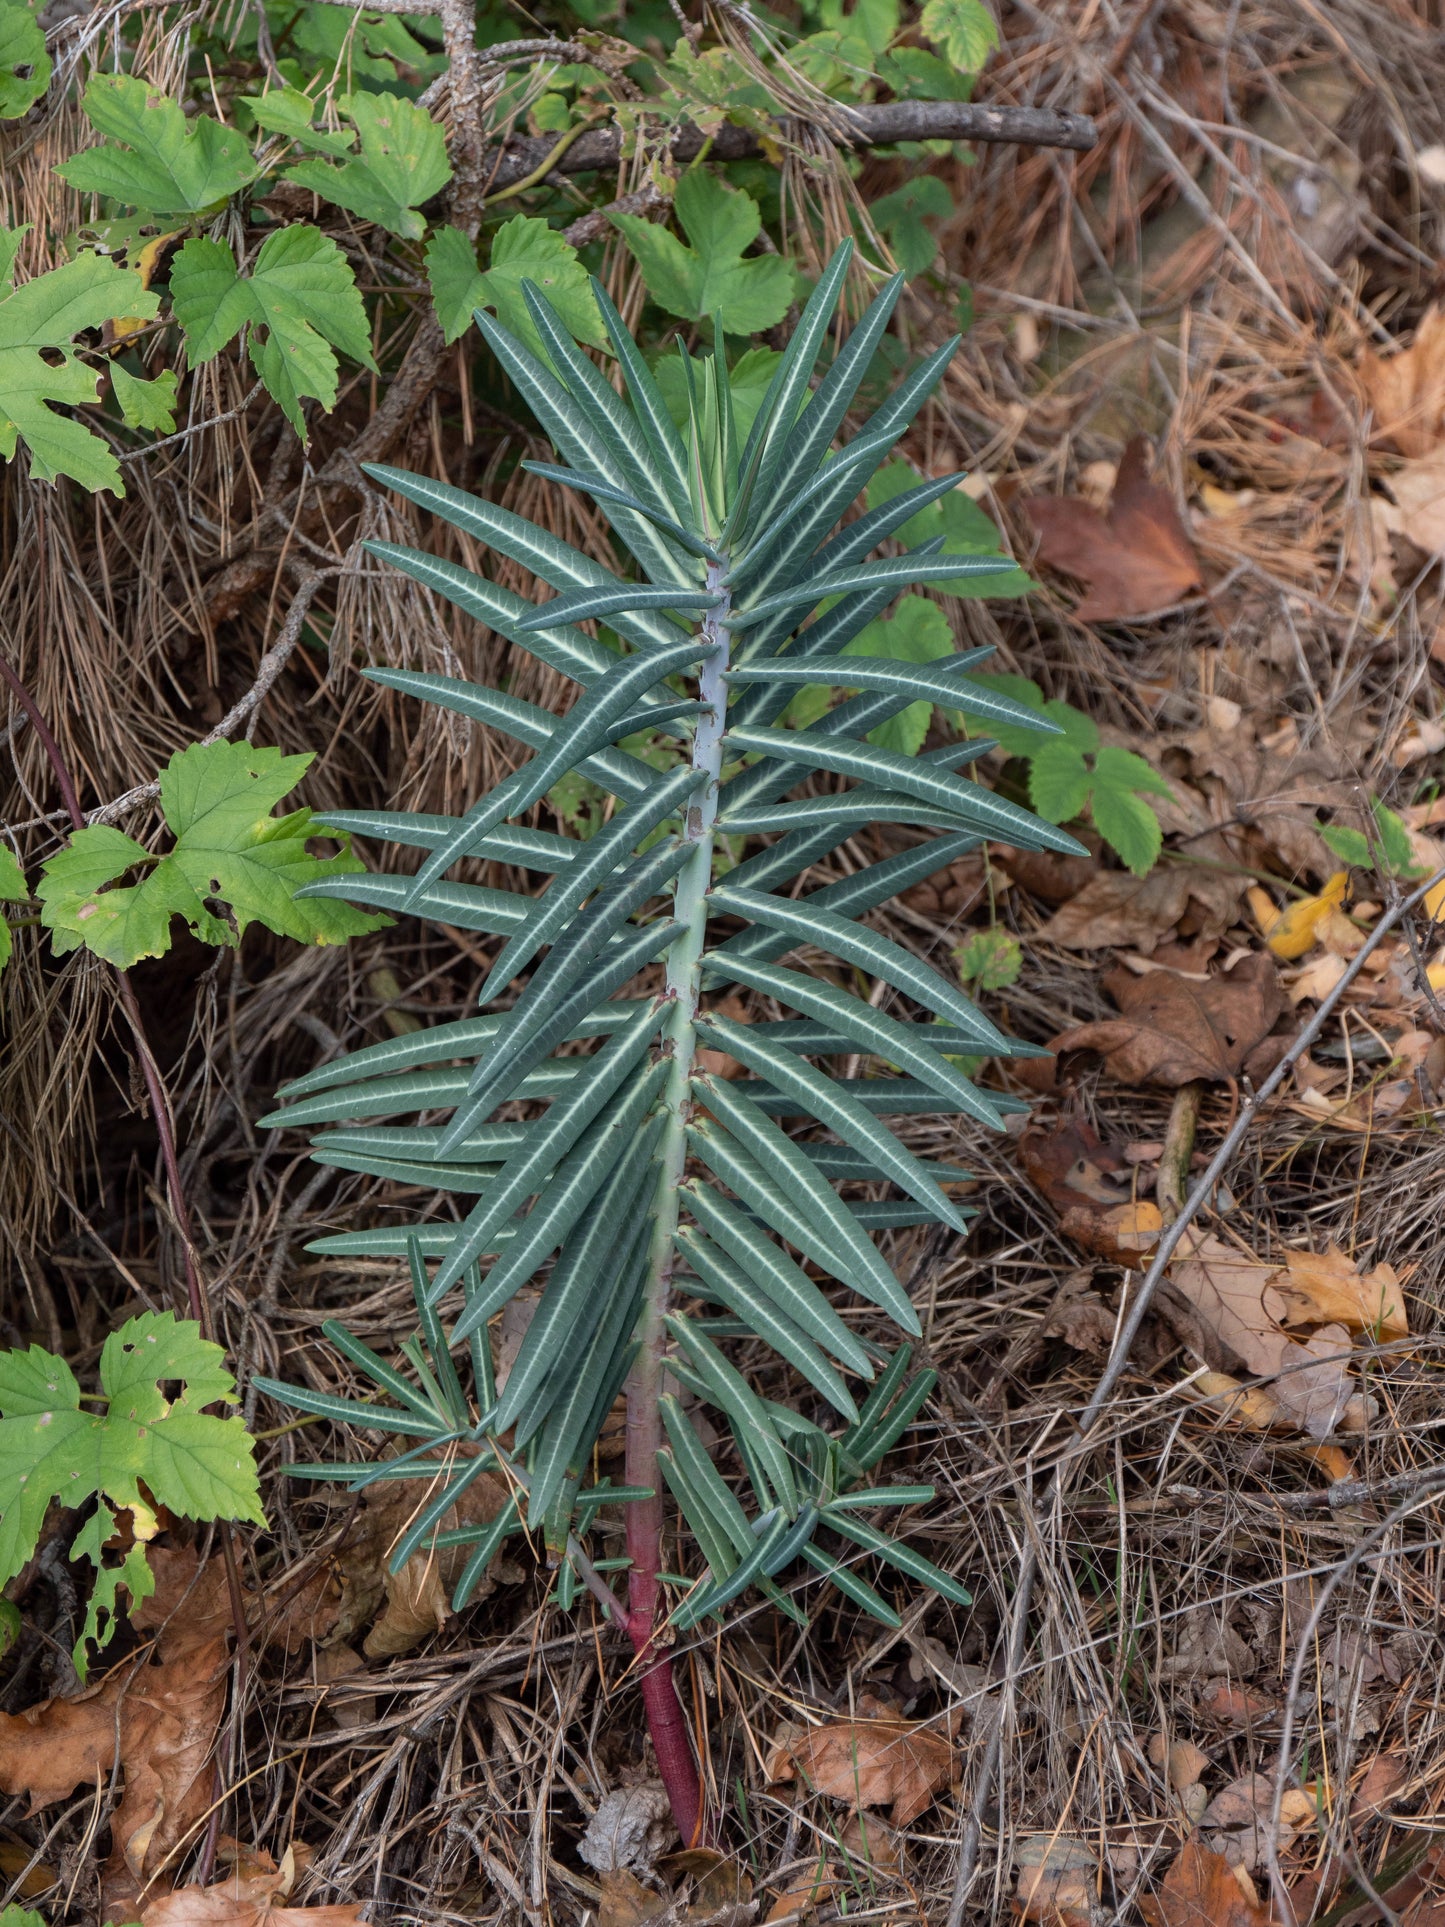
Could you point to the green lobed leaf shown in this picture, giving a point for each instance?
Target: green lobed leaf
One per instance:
(169, 162)
(25, 66)
(40, 320)
(146, 404)
(708, 276)
(403, 162)
(523, 249)
(300, 303)
(964, 30)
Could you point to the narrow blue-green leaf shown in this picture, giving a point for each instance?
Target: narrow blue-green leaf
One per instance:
(880, 1429)
(904, 1557)
(426, 830)
(703, 1474)
(513, 536)
(857, 943)
(651, 411)
(602, 491)
(507, 1520)
(788, 388)
(570, 651)
(564, 1123)
(422, 1143)
(712, 1598)
(824, 1098)
(432, 1335)
(733, 1287)
(585, 725)
(730, 1391)
(876, 1495)
(913, 681)
(895, 570)
(589, 1171)
(349, 1411)
(872, 1031)
(453, 1486)
(468, 906)
(852, 1587)
(855, 809)
(774, 1272)
(421, 1090)
(615, 769)
(600, 855)
(377, 1369)
(801, 524)
(914, 776)
(571, 1304)
(699, 1521)
(776, 1152)
(584, 603)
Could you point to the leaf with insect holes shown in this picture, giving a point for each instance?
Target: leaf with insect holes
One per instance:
(41, 319)
(708, 278)
(523, 249)
(963, 29)
(142, 1450)
(155, 156)
(146, 404)
(217, 800)
(300, 296)
(24, 63)
(403, 162)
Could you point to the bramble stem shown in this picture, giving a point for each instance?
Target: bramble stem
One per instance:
(665, 1722)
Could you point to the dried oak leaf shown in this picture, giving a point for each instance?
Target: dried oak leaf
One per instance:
(869, 1763)
(1326, 1289)
(1239, 1819)
(1308, 1381)
(1117, 911)
(1201, 1890)
(1090, 1185)
(1135, 557)
(1172, 1029)
(248, 1899)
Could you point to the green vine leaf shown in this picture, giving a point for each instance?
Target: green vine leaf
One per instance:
(146, 404)
(709, 278)
(44, 317)
(403, 162)
(300, 296)
(902, 215)
(13, 889)
(24, 63)
(169, 162)
(963, 30)
(229, 849)
(143, 1451)
(524, 249)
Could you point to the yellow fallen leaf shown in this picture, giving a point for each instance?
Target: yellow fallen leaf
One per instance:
(1297, 929)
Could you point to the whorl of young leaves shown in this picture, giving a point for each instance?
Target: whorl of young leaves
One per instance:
(229, 850)
(138, 1451)
(646, 1165)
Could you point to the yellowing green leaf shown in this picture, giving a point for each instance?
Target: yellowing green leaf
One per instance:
(169, 163)
(217, 799)
(403, 162)
(144, 1448)
(708, 279)
(989, 959)
(24, 63)
(43, 317)
(146, 404)
(299, 296)
(963, 29)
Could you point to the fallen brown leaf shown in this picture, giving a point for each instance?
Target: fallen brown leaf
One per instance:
(1406, 391)
(1117, 911)
(249, 1899)
(1326, 1289)
(1309, 1381)
(626, 1902)
(804, 1897)
(1055, 1880)
(1173, 1029)
(1090, 1184)
(869, 1763)
(1134, 557)
(870, 1844)
(1238, 1819)
(1200, 1890)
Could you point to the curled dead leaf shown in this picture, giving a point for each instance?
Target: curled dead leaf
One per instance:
(869, 1763)
(1116, 910)
(1173, 1029)
(1201, 1890)
(1135, 556)
(1055, 1879)
(1325, 1289)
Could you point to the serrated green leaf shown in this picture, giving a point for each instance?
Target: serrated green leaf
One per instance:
(300, 302)
(40, 319)
(24, 63)
(991, 958)
(288, 111)
(523, 249)
(1395, 846)
(1350, 846)
(708, 277)
(903, 216)
(1129, 827)
(964, 30)
(1059, 781)
(403, 162)
(146, 404)
(170, 162)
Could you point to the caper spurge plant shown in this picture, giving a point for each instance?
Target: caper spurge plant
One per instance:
(651, 1182)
